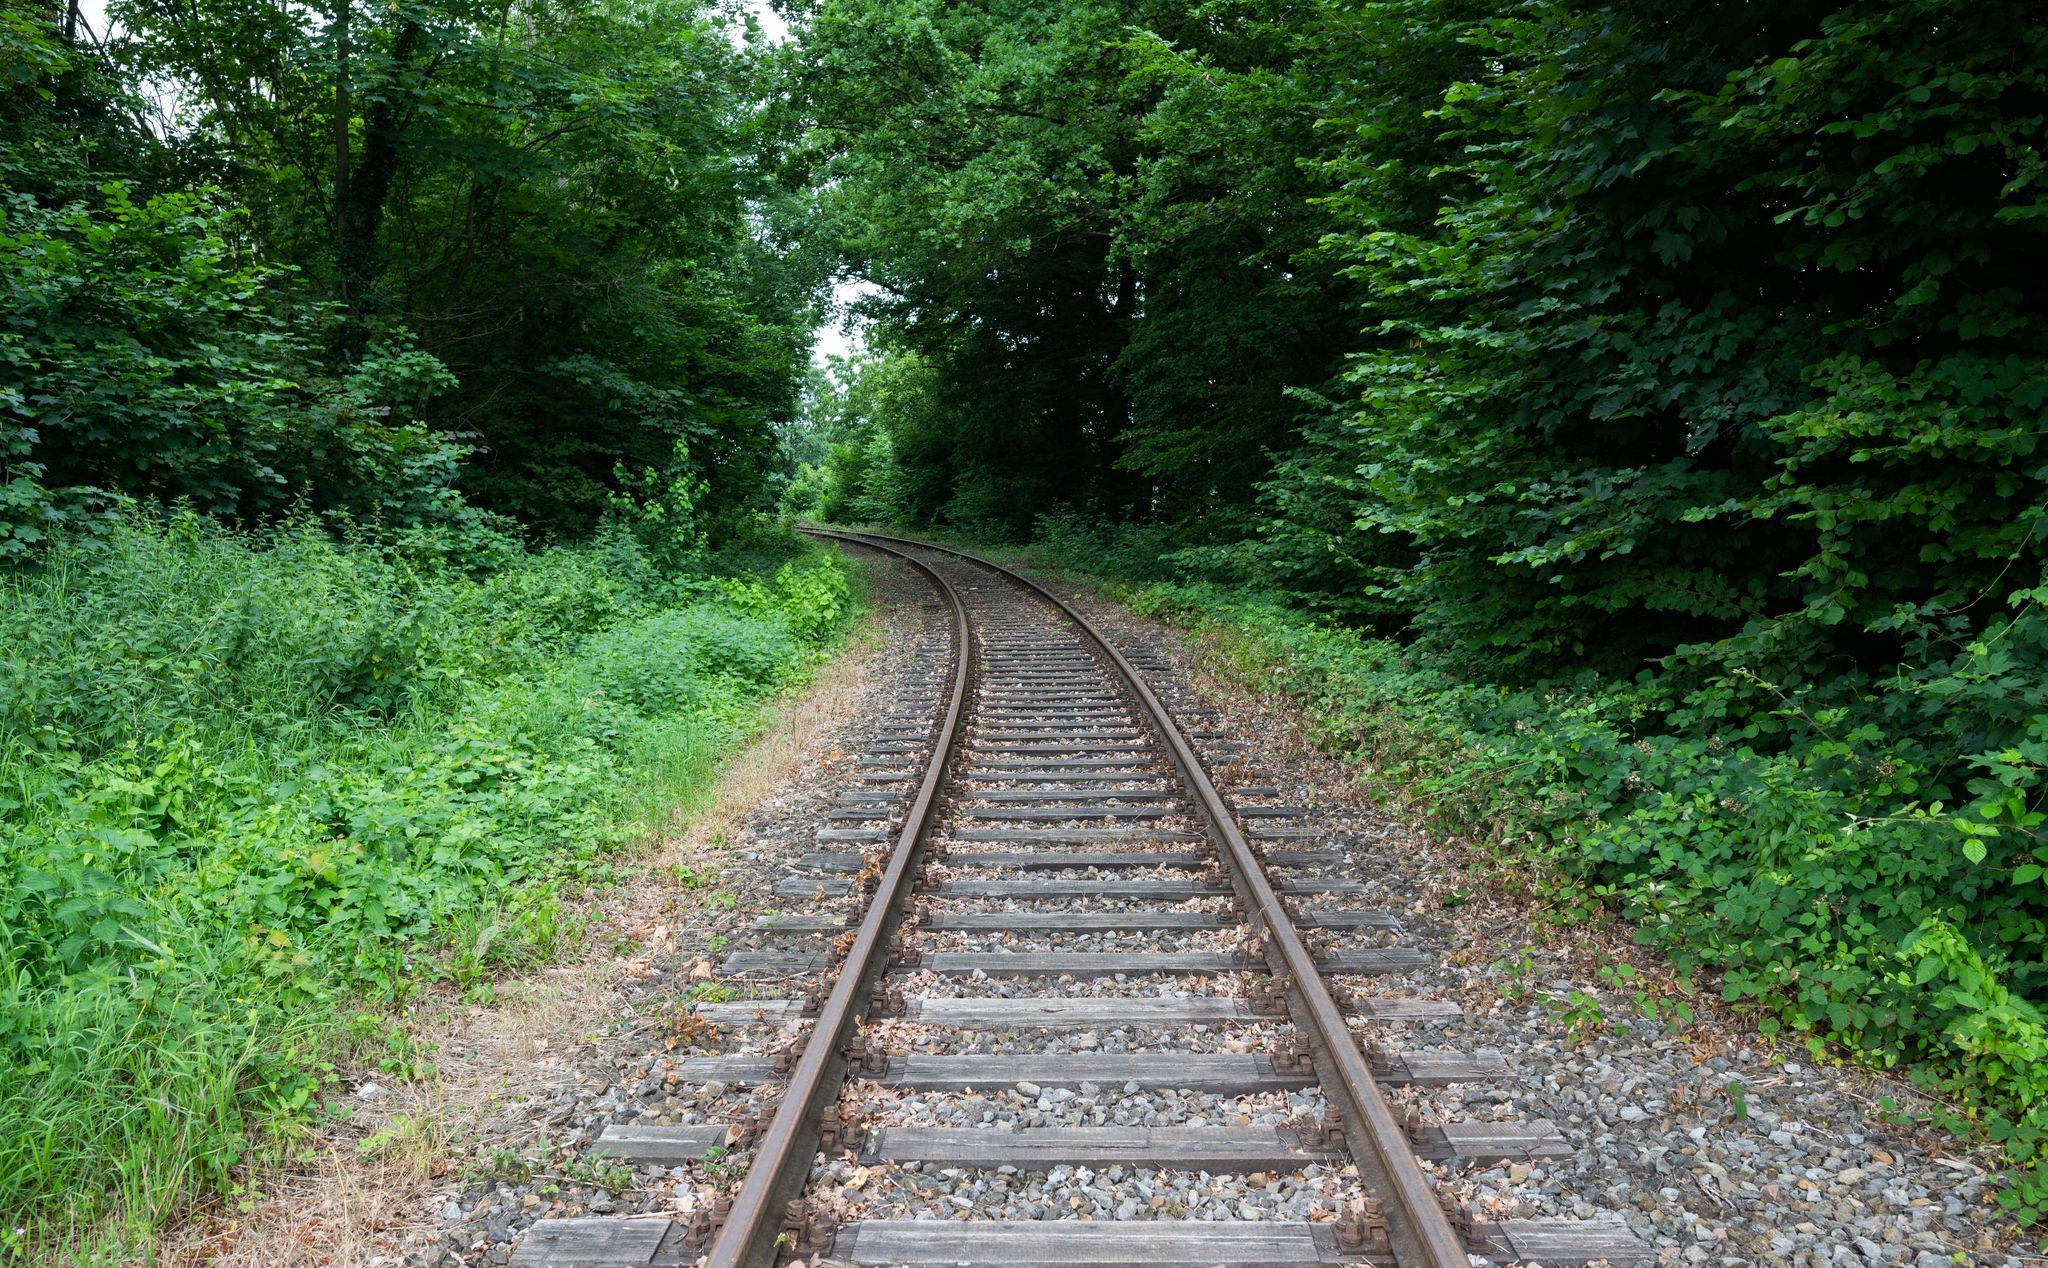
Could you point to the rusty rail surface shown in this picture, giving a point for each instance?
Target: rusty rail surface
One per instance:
(1419, 1232)
(1065, 706)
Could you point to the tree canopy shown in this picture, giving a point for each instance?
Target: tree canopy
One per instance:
(355, 254)
(1651, 394)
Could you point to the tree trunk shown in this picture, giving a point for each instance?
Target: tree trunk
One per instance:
(341, 125)
(360, 209)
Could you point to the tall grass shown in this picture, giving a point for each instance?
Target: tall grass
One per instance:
(243, 777)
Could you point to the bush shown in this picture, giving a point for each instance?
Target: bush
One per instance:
(246, 775)
(1792, 856)
(167, 363)
(1128, 552)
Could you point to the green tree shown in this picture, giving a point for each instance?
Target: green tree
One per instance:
(563, 203)
(973, 162)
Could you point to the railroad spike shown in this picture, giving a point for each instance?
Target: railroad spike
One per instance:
(1377, 1058)
(743, 1131)
(889, 1002)
(1319, 948)
(864, 1060)
(786, 1058)
(1364, 1231)
(1462, 1222)
(1268, 999)
(842, 1132)
(705, 1224)
(1329, 1129)
(1292, 1057)
(809, 1232)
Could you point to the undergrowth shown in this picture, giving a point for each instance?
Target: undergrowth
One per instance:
(246, 780)
(1803, 876)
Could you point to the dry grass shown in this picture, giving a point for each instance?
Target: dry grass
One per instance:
(362, 1191)
(366, 1187)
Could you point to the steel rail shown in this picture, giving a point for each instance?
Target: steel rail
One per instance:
(782, 1160)
(1419, 1231)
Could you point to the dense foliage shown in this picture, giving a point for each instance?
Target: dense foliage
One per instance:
(365, 242)
(1658, 395)
(1094, 248)
(252, 777)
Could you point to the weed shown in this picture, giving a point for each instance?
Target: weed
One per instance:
(719, 1165)
(502, 1164)
(596, 1173)
(691, 879)
(1518, 973)
(1581, 1014)
(1668, 1011)
(390, 1045)
(415, 1142)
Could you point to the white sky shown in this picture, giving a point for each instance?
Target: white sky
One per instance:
(832, 339)
(771, 22)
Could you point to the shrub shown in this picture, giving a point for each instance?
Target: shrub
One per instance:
(248, 774)
(1802, 872)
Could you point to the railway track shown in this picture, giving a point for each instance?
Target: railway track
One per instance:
(1068, 984)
